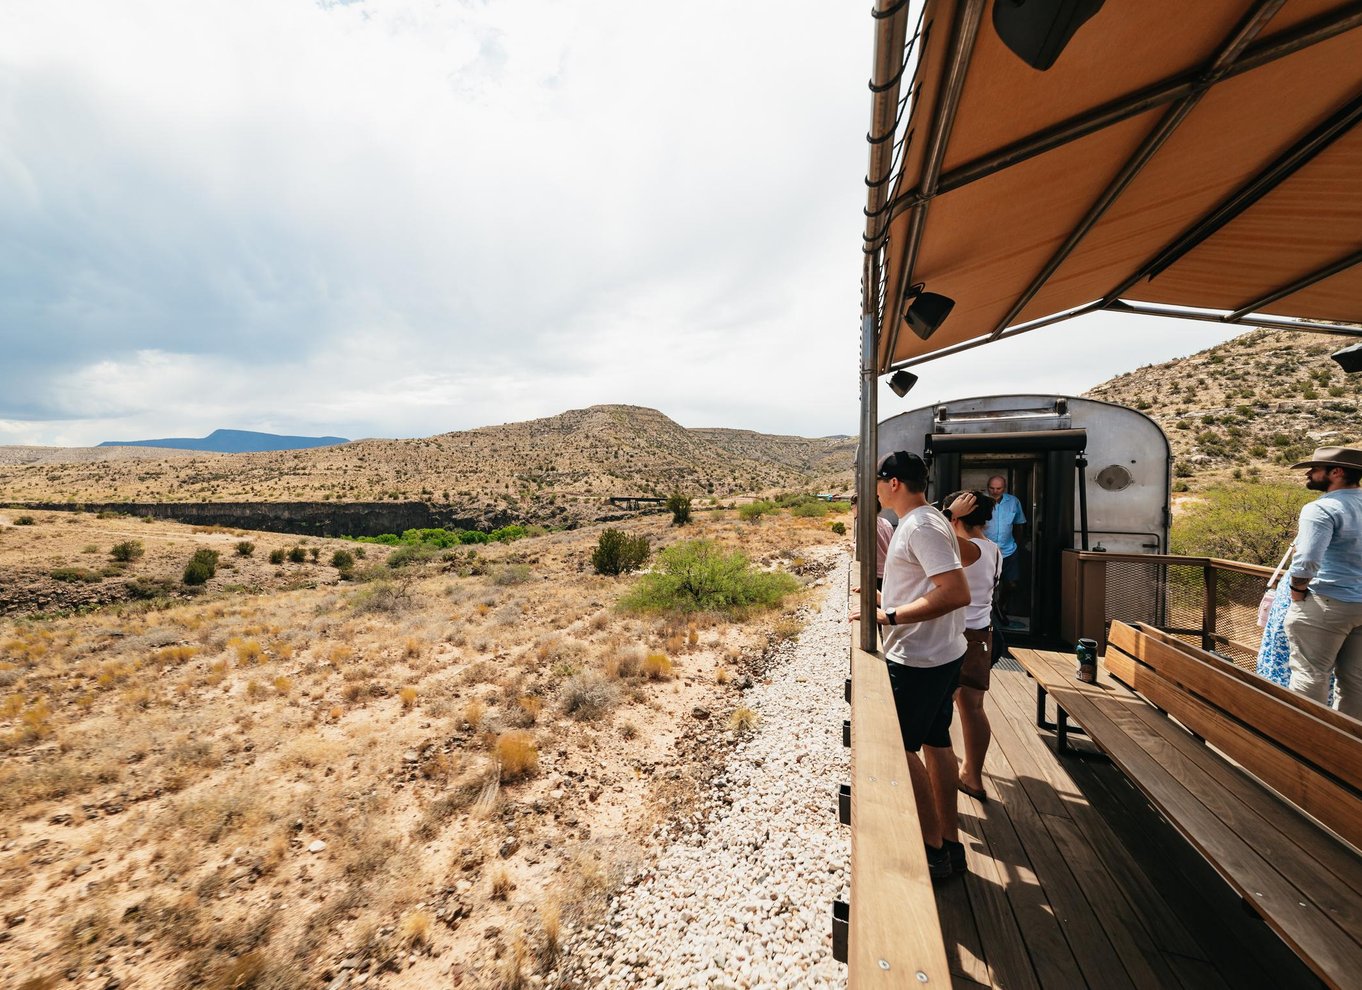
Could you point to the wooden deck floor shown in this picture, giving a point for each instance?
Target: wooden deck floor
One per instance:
(1074, 880)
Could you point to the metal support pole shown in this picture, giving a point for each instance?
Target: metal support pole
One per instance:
(865, 481)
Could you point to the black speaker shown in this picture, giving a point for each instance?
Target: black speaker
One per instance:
(927, 312)
(1038, 30)
(1349, 359)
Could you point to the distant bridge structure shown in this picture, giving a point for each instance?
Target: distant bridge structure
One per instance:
(636, 502)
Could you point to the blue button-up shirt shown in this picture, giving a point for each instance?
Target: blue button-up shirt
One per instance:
(1007, 512)
(1329, 545)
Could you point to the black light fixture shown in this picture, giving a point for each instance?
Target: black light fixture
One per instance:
(926, 311)
(1349, 359)
(902, 381)
(1038, 30)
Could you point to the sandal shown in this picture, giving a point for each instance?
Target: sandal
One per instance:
(979, 794)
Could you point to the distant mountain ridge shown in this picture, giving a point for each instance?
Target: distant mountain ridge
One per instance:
(560, 470)
(233, 442)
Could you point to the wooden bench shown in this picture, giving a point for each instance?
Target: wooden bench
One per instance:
(894, 937)
(1266, 785)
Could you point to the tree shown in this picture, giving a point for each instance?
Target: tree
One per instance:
(619, 553)
(679, 506)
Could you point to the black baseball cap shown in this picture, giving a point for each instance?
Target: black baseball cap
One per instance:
(903, 465)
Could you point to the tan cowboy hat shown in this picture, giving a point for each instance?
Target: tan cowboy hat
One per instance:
(1344, 457)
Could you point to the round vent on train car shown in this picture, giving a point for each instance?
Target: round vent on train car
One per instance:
(1114, 478)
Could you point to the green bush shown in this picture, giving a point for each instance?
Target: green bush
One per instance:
(753, 511)
(145, 588)
(811, 510)
(700, 576)
(619, 553)
(343, 561)
(415, 554)
(24, 521)
(1248, 522)
(245, 548)
(840, 528)
(202, 566)
(297, 554)
(679, 506)
(277, 556)
(127, 551)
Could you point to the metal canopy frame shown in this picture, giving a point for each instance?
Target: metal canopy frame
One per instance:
(1240, 52)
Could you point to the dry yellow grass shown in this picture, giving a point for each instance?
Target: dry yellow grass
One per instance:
(212, 767)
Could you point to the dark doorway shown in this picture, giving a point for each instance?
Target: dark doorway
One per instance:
(1043, 482)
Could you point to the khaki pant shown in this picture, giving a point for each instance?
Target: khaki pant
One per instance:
(1325, 635)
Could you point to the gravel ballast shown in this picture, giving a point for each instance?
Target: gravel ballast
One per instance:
(742, 896)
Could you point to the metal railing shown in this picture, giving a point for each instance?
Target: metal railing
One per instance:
(1205, 601)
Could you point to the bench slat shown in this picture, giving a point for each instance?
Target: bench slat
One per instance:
(1327, 746)
(1338, 807)
(1286, 696)
(1329, 950)
(893, 906)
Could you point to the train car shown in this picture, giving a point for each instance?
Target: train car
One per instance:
(1090, 475)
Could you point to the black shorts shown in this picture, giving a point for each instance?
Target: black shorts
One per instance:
(922, 699)
(1011, 568)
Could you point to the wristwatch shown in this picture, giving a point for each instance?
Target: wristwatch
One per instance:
(892, 616)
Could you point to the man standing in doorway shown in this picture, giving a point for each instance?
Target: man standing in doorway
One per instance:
(921, 618)
(1324, 621)
(1006, 527)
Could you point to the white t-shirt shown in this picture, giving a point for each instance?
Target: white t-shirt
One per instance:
(923, 546)
(982, 575)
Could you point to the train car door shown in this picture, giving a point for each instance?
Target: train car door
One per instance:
(1044, 482)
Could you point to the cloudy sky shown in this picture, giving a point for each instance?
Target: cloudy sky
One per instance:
(402, 217)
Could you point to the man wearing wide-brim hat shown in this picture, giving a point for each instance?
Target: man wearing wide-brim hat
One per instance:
(1324, 620)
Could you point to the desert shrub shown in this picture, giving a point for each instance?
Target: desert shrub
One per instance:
(679, 506)
(753, 511)
(811, 510)
(657, 667)
(382, 596)
(619, 553)
(699, 576)
(23, 521)
(146, 588)
(417, 553)
(743, 721)
(127, 551)
(277, 556)
(297, 554)
(245, 548)
(75, 575)
(343, 561)
(508, 574)
(314, 554)
(1248, 522)
(202, 566)
(517, 754)
(840, 528)
(588, 695)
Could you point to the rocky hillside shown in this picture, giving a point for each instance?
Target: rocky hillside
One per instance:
(559, 469)
(1249, 407)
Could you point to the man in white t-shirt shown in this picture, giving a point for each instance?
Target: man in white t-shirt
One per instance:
(920, 616)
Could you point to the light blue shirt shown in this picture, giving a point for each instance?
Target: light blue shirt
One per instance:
(1007, 512)
(1329, 545)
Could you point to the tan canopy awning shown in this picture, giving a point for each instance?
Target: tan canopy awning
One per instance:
(1200, 155)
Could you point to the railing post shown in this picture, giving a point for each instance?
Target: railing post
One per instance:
(1208, 572)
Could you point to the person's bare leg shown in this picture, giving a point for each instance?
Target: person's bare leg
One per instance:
(944, 774)
(977, 734)
(925, 799)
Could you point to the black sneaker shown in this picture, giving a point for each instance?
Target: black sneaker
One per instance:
(956, 851)
(938, 862)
